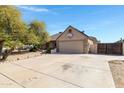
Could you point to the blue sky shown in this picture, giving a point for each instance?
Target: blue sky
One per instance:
(104, 22)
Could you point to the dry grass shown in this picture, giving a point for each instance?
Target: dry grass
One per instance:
(117, 69)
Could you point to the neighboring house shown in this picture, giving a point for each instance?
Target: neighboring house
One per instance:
(73, 41)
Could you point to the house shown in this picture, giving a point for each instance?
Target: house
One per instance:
(73, 40)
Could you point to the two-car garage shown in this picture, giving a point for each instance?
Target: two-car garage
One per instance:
(70, 46)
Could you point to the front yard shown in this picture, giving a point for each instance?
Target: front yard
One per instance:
(117, 69)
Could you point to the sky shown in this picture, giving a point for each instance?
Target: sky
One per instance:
(106, 23)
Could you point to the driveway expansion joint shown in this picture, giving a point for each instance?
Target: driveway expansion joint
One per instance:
(13, 80)
(47, 75)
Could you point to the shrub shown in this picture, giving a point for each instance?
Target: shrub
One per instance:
(34, 49)
(48, 50)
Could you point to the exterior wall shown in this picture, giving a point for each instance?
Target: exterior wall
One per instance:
(45, 46)
(95, 48)
(76, 36)
(57, 46)
(72, 45)
(52, 44)
(92, 46)
(78, 42)
(85, 46)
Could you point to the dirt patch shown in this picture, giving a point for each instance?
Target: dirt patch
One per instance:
(117, 69)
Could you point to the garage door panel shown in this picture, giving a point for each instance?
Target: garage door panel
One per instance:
(71, 47)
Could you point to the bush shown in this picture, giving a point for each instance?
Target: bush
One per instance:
(48, 50)
(34, 49)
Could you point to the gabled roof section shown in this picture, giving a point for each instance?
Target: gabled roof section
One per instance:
(55, 36)
(76, 30)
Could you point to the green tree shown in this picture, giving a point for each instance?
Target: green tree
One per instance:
(11, 26)
(15, 33)
(10, 20)
(28, 37)
(39, 29)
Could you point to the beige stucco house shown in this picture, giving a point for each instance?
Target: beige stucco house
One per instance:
(73, 41)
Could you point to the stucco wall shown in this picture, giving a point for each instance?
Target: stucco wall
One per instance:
(52, 44)
(76, 41)
(87, 44)
(76, 35)
(92, 46)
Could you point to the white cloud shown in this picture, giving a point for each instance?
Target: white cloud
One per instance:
(30, 8)
(63, 8)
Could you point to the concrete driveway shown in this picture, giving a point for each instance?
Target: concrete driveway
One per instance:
(58, 70)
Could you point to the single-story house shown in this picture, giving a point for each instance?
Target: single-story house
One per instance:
(73, 40)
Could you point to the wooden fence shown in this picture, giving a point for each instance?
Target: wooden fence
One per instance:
(110, 48)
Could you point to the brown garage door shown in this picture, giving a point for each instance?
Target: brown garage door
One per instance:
(71, 47)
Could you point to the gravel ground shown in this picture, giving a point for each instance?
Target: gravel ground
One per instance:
(117, 69)
(23, 56)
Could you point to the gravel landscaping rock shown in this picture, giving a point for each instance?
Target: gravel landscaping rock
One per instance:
(17, 57)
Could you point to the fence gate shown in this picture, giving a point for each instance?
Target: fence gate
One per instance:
(110, 48)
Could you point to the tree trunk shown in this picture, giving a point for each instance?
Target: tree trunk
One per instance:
(6, 54)
(1, 46)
